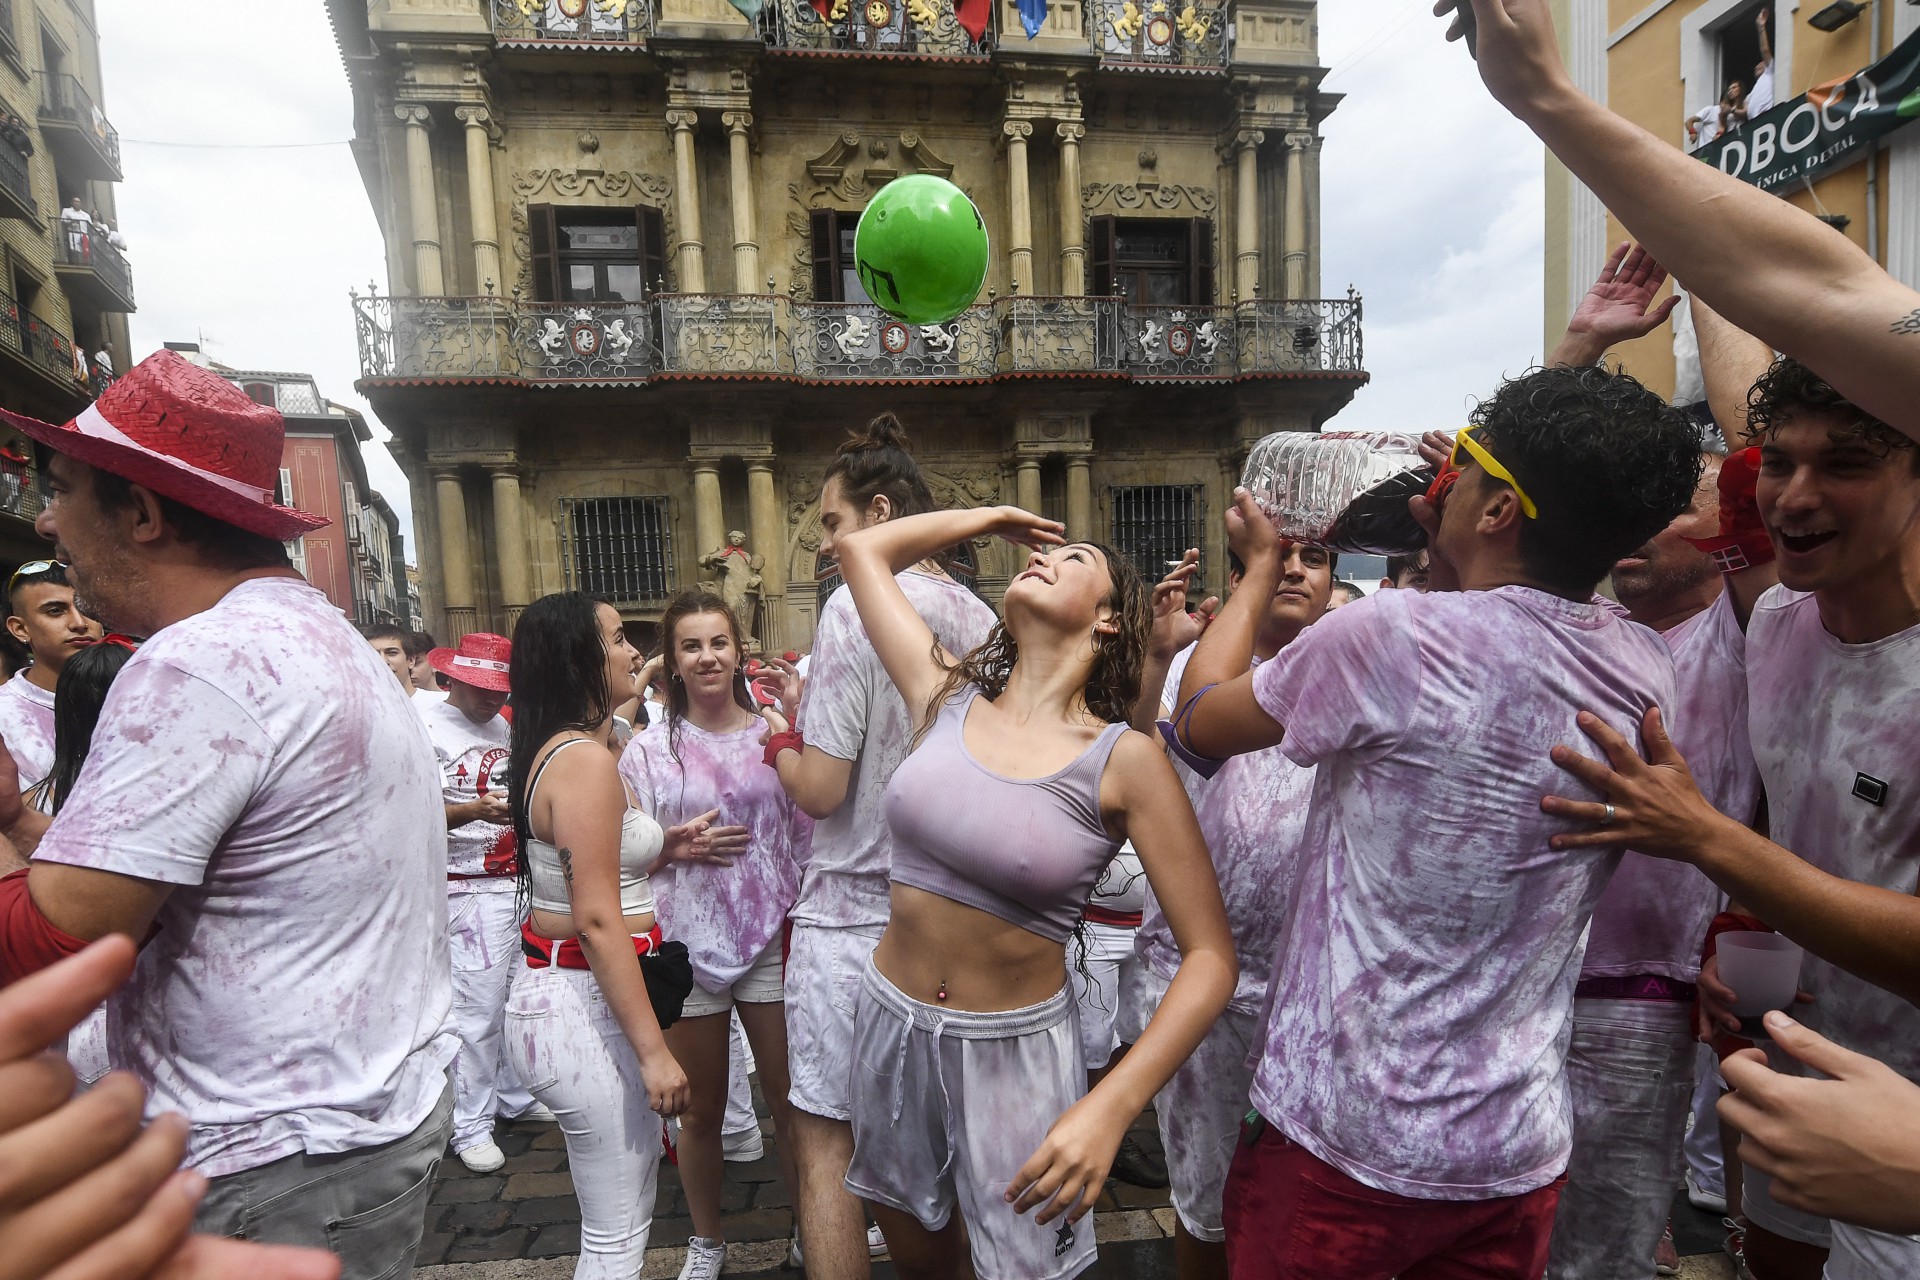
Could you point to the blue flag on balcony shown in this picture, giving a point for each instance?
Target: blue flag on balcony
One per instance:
(1033, 14)
(750, 9)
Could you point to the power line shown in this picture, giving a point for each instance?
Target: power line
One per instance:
(233, 146)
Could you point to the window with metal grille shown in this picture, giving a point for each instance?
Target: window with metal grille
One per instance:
(1154, 524)
(621, 548)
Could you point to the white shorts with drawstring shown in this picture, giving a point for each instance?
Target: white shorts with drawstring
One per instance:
(950, 1104)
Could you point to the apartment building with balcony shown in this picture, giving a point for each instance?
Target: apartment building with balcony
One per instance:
(65, 287)
(622, 318)
(1665, 65)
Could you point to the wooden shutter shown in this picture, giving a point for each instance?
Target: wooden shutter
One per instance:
(1101, 238)
(543, 239)
(824, 226)
(653, 248)
(1200, 255)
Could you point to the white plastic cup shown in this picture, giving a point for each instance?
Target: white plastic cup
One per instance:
(1763, 970)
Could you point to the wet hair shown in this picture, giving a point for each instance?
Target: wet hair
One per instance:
(1790, 388)
(1113, 685)
(1607, 462)
(78, 696)
(54, 575)
(374, 632)
(688, 604)
(418, 644)
(878, 461)
(224, 545)
(1397, 565)
(558, 681)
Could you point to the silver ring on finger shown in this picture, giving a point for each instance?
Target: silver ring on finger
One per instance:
(1606, 815)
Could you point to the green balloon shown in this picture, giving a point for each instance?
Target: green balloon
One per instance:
(921, 249)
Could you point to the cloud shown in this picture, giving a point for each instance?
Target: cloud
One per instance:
(247, 249)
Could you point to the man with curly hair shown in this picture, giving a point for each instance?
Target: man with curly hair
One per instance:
(1410, 1097)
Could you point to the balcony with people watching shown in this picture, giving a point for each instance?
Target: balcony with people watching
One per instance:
(84, 143)
(16, 182)
(88, 256)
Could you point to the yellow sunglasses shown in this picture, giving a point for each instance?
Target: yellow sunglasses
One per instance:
(1490, 465)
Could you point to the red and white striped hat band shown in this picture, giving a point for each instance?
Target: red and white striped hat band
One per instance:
(483, 664)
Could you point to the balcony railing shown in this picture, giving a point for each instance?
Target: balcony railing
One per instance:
(572, 22)
(110, 284)
(855, 340)
(20, 493)
(872, 26)
(28, 335)
(81, 132)
(1159, 33)
(768, 335)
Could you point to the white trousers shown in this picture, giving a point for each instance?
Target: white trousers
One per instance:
(483, 940)
(566, 1044)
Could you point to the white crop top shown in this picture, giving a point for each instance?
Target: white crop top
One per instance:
(640, 843)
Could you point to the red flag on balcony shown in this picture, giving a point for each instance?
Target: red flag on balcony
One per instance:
(823, 8)
(973, 15)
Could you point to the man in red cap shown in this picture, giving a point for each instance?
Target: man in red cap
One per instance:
(261, 813)
(483, 931)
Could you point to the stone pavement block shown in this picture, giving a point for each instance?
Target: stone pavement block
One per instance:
(433, 1248)
(1129, 1224)
(532, 1186)
(1707, 1266)
(734, 1196)
(550, 1139)
(488, 1216)
(511, 1243)
(555, 1239)
(1128, 1196)
(513, 1139)
(536, 1162)
(468, 1190)
(547, 1209)
(772, 1195)
(759, 1224)
(1166, 1218)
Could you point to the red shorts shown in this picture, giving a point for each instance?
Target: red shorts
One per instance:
(1292, 1216)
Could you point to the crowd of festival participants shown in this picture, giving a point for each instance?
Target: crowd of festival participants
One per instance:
(1402, 915)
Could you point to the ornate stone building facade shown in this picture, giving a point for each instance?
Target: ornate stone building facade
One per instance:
(623, 321)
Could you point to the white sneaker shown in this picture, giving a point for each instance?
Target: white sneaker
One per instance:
(743, 1147)
(876, 1247)
(485, 1158)
(705, 1259)
(538, 1113)
(1702, 1199)
(876, 1242)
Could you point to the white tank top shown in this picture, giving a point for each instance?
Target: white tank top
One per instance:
(640, 843)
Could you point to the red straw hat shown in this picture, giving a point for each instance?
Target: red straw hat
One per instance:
(188, 434)
(480, 660)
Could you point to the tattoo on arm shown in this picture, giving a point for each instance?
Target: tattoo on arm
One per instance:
(566, 868)
(1907, 324)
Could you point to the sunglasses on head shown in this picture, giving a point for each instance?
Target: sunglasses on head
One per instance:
(1476, 452)
(29, 569)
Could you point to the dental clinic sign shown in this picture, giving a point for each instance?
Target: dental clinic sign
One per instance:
(1827, 128)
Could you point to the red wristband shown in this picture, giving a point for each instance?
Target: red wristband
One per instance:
(788, 741)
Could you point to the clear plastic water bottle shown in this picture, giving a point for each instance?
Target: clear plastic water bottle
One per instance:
(1346, 490)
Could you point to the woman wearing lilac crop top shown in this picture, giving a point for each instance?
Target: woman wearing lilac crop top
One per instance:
(1024, 780)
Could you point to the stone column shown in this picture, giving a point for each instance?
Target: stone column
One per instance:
(1020, 206)
(1026, 484)
(1296, 241)
(709, 519)
(1079, 497)
(1246, 258)
(1073, 249)
(767, 537)
(456, 556)
(690, 255)
(746, 247)
(427, 278)
(510, 541)
(480, 212)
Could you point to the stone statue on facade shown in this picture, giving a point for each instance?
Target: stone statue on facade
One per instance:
(737, 579)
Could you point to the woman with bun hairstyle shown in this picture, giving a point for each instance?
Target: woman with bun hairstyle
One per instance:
(1023, 781)
(856, 730)
(583, 1032)
(705, 758)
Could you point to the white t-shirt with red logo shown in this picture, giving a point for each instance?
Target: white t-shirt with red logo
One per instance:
(473, 763)
(26, 726)
(1422, 996)
(260, 758)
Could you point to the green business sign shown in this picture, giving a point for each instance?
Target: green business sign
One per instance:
(1825, 129)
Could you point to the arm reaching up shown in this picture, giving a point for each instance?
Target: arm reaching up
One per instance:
(1618, 308)
(1773, 270)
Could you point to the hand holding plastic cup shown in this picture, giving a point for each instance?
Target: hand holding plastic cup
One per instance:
(1763, 971)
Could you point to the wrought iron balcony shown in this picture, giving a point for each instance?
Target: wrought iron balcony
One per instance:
(20, 492)
(91, 267)
(1160, 33)
(595, 23)
(856, 340)
(926, 27)
(769, 335)
(36, 341)
(77, 130)
(16, 183)
(725, 333)
(1058, 335)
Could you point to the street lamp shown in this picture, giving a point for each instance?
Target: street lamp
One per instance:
(1836, 15)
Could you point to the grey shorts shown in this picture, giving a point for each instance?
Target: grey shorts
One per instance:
(949, 1104)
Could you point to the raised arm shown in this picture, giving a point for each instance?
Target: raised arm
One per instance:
(1226, 720)
(1773, 270)
(869, 559)
(1618, 308)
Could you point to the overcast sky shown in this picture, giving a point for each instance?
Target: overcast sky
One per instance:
(246, 220)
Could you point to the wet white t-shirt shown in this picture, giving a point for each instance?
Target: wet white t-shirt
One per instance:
(260, 758)
(424, 698)
(26, 726)
(851, 711)
(1422, 996)
(473, 763)
(1653, 917)
(1834, 731)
